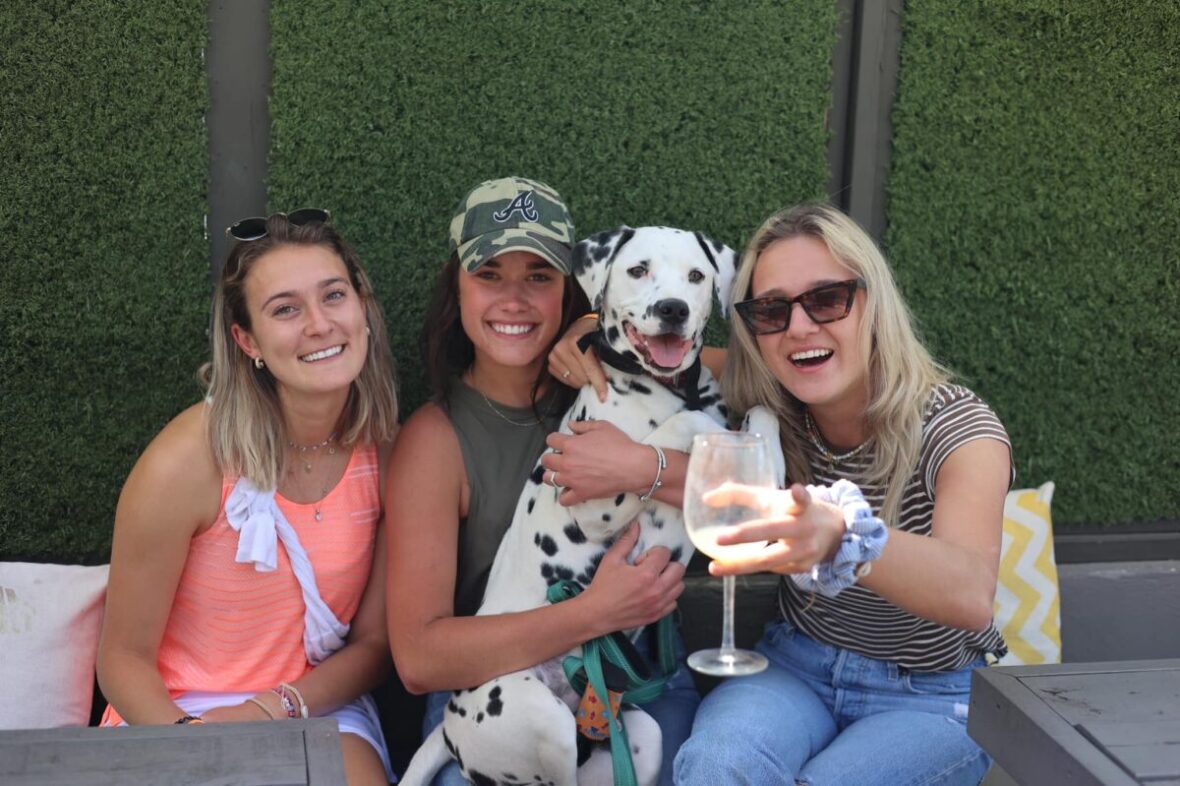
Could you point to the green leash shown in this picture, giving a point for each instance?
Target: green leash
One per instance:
(619, 652)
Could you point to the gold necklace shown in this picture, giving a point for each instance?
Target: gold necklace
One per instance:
(303, 450)
(833, 458)
(526, 424)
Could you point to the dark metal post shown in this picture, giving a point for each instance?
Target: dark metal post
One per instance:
(238, 64)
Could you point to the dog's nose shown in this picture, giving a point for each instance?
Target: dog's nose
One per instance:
(672, 310)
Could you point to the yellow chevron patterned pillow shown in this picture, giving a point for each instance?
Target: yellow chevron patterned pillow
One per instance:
(1028, 610)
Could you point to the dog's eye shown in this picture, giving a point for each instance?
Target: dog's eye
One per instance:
(638, 271)
(696, 277)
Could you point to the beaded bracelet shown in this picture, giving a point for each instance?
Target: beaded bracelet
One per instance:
(863, 541)
(184, 720)
(285, 700)
(298, 697)
(660, 467)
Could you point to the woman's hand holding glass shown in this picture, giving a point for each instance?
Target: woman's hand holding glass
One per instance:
(795, 530)
(715, 502)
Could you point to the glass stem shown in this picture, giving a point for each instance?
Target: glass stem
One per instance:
(727, 591)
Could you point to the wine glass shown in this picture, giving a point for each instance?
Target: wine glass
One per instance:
(717, 458)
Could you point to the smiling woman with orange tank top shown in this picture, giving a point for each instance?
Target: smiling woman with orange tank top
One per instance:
(243, 584)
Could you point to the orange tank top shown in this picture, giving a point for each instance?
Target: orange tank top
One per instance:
(233, 628)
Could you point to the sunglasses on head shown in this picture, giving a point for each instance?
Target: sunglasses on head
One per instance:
(829, 303)
(254, 227)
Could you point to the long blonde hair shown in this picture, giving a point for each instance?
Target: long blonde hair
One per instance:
(246, 429)
(901, 371)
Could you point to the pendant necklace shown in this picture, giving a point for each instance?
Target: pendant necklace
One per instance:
(306, 460)
(833, 458)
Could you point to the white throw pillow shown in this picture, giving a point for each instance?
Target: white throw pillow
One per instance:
(50, 617)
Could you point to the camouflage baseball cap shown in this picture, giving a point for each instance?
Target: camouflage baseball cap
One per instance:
(512, 214)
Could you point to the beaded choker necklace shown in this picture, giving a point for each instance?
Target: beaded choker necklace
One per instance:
(813, 435)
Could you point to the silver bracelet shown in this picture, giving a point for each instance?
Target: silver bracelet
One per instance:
(655, 484)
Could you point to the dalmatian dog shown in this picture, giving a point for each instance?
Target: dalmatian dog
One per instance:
(653, 289)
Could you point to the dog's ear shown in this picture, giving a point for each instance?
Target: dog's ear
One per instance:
(592, 259)
(724, 261)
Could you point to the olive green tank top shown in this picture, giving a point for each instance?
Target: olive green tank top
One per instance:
(498, 456)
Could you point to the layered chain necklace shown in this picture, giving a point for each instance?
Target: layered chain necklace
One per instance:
(306, 454)
(832, 458)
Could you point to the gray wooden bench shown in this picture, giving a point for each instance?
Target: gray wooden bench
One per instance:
(292, 753)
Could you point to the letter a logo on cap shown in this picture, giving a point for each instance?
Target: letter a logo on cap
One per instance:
(522, 202)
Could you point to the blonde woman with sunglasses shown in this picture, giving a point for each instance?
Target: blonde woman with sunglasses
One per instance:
(889, 553)
(243, 583)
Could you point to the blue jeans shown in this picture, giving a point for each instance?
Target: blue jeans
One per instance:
(674, 712)
(824, 715)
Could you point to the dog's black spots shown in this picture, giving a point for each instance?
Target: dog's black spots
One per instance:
(600, 253)
(538, 475)
(612, 333)
(532, 501)
(657, 523)
(639, 387)
(545, 544)
(479, 779)
(724, 410)
(710, 254)
(574, 533)
(563, 573)
(582, 414)
(619, 499)
(585, 748)
(606, 517)
(618, 390)
(652, 423)
(547, 572)
(479, 718)
(453, 749)
(509, 777)
(587, 575)
(455, 708)
(495, 703)
(709, 399)
(676, 554)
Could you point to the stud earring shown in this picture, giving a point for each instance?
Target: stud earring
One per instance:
(258, 364)
(368, 330)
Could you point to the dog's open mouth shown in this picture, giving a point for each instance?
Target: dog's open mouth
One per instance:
(665, 351)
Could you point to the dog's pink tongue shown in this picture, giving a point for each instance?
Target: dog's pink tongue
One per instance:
(668, 350)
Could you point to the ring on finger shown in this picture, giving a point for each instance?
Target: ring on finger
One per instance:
(553, 479)
(565, 374)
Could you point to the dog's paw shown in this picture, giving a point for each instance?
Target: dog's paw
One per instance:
(760, 420)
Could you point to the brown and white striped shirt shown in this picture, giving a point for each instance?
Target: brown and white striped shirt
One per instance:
(860, 620)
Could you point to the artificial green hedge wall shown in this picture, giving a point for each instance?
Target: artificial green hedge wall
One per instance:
(1034, 218)
(104, 274)
(695, 114)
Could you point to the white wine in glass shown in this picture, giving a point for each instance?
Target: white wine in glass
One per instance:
(717, 458)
